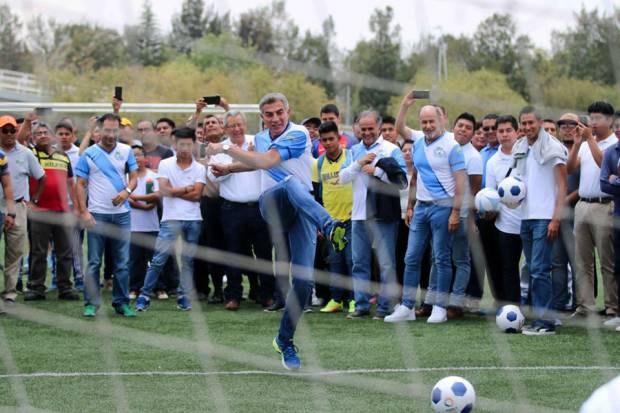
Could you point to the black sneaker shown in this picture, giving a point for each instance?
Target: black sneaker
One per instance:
(68, 296)
(275, 306)
(216, 298)
(358, 314)
(539, 330)
(33, 296)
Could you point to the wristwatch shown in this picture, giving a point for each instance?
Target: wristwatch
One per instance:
(129, 191)
(225, 148)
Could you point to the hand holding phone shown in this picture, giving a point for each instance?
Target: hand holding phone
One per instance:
(420, 94)
(118, 92)
(212, 100)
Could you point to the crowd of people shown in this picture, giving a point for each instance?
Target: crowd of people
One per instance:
(384, 203)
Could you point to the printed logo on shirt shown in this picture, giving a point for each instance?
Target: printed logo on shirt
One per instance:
(118, 155)
(439, 152)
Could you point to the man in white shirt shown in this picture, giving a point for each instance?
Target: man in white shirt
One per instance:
(102, 169)
(464, 127)
(373, 226)
(593, 229)
(540, 159)
(505, 283)
(245, 230)
(181, 180)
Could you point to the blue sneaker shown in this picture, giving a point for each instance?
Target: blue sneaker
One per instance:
(79, 284)
(142, 303)
(183, 303)
(290, 359)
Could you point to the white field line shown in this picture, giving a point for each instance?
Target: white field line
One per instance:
(320, 373)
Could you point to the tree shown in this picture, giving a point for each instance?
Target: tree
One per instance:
(149, 40)
(188, 26)
(590, 50)
(380, 56)
(269, 29)
(13, 52)
(316, 50)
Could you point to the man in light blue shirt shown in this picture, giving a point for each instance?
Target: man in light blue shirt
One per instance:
(436, 192)
(282, 152)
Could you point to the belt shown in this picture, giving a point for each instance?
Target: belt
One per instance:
(596, 200)
(242, 204)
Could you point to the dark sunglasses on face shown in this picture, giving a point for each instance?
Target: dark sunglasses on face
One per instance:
(489, 128)
(567, 124)
(8, 130)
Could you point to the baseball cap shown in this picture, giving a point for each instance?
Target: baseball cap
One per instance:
(7, 120)
(126, 122)
(314, 120)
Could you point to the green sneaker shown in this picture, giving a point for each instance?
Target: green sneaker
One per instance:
(332, 307)
(90, 310)
(337, 236)
(351, 306)
(125, 311)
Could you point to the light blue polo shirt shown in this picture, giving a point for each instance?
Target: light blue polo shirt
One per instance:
(295, 149)
(436, 162)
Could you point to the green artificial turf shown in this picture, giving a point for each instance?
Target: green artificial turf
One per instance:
(164, 339)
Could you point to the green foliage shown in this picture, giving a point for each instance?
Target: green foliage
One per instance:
(573, 94)
(194, 22)
(379, 56)
(13, 52)
(224, 52)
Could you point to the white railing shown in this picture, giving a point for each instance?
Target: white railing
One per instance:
(19, 82)
(126, 108)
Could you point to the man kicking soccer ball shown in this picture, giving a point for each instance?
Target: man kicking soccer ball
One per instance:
(283, 152)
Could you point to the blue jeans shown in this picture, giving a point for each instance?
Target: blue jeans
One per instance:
(341, 265)
(119, 245)
(537, 249)
(379, 235)
(289, 209)
(562, 255)
(169, 232)
(462, 262)
(429, 221)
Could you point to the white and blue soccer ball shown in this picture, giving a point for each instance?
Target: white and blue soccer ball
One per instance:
(453, 394)
(510, 319)
(487, 200)
(511, 192)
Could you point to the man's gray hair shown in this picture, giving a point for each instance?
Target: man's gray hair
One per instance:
(40, 125)
(232, 114)
(370, 113)
(437, 110)
(270, 98)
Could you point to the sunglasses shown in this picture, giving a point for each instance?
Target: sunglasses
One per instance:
(8, 131)
(567, 124)
(489, 128)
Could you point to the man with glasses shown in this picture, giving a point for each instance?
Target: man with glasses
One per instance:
(245, 231)
(486, 225)
(563, 254)
(50, 219)
(592, 227)
(102, 169)
(22, 165)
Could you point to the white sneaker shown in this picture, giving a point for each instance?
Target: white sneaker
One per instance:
(618, 328)
(438, 315)
(612, 322)
(401, 313)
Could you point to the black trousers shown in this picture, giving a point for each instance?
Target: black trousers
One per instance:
(617, 252)
(489, 263)
(246, 233)
(212, 236)
(507, 282)
(140, 253)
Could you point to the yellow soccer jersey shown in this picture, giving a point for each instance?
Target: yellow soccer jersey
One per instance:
(337, 198)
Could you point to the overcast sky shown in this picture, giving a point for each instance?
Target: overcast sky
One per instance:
(538, 18)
